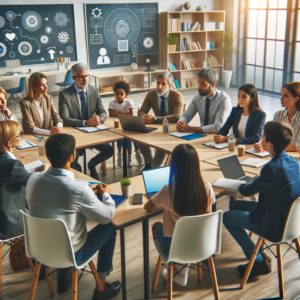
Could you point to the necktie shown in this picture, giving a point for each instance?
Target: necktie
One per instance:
(162, 107)
(84, 110)
(206, 112)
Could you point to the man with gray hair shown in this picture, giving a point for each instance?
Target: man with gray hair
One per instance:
(212, 105)
(80, 105)
(164, 102)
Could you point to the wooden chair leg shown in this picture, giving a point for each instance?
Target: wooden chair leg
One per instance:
(74, 284)
(99, 285)
(296, 240)
(14, 101)
(114, 155)
(251, 262)
(30, 264)
(250, 234)
(35, 279)
(0, 271)
(49, 281)
(104, 170)
(262, 244)
(280, 272)
(156, 275)
(213, 277)
(170, 282)
(199, 271)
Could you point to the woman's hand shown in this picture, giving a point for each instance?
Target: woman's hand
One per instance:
(258, 147)
(220, 139)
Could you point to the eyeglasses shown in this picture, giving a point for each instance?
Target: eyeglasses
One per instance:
(20, 135)
(86, 77)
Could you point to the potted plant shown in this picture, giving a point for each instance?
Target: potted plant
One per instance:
(228, 50)
(199, 7)
(172, 40)
(125, 186)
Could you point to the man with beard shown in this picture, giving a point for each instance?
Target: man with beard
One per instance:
(164, 103)
(80, 105)
(212, 105)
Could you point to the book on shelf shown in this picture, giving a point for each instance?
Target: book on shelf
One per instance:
(183, 84)
(174, 25)
(189, 65)
(212, 61)
(172, 67)
(214, 26)
(188, 45)
(210, 45)
(191, 82)
(176, 85)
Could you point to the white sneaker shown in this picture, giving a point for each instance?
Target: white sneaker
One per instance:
(139, 158)
(178, 278)
(120, 159)
(129, 160)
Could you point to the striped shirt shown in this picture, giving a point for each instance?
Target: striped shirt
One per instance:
(281, 116)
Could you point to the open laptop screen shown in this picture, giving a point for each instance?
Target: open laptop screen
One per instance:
(231, 167)
(156, 179)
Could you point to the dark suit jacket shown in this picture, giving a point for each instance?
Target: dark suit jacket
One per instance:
(69, 108)
(278, 186)
(13, 179)
(175, 106)
(254, 127)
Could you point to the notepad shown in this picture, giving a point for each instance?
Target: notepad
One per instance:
(33, 165)
(26, 145)
(93, 129)
(228, 184)
(215, 145)
(254, 162)
(254, 152)
(119, 199)
(187, 136)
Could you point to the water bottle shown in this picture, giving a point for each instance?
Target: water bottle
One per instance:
(41, 146)
(165, 125)
(231, 143)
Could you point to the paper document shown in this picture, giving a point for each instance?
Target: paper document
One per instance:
(180, 134)
(26, 145)
(102, 127)
(33, 165)
(228, 184)
(215, 145)
(254, 162)
(254, 152)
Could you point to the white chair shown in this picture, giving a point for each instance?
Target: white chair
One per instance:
(48, 241)
(291, 232)
(195, 238)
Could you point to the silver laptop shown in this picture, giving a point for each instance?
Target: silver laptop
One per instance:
(232, 169)
(134, 123)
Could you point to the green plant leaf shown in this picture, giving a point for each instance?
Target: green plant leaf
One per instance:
(173, 39)
(125, 181)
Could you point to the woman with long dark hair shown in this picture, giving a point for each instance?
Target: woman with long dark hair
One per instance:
(247, 119)
(186, 195)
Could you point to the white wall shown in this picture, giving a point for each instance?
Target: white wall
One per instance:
(164, 5)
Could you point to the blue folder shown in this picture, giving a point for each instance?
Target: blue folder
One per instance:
(192, 136)
(119, 199)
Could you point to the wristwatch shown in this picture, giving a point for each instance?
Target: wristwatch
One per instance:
(155, 119)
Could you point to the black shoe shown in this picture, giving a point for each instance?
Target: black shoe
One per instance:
(42, 273)
(64, 280)
(259, 268)
(93, 172)
(111, 290)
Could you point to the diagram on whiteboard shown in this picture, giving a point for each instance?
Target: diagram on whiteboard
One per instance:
(37, 33)
(123, 30)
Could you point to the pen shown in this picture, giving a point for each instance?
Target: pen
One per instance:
(38, 137)
(29, 143)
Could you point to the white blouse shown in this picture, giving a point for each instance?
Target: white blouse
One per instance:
(242, 126)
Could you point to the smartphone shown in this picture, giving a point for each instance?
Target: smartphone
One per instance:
(137, 199)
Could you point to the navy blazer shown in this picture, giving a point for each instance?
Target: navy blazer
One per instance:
(254, 127)
(278, 186)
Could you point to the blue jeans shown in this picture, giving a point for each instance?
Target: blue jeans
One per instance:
(128, 145)
(102, 238)
(237, 220)
(164, 241)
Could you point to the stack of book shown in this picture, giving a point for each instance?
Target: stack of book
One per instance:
(188, 45)
(174, 25)
(172, 67)
(212, 61)
(185, 26)
(189, 65)
(176, 85)
(210, 45)
(192, 82)
(214, 26)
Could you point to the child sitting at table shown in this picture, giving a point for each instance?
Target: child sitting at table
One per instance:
(121, 105)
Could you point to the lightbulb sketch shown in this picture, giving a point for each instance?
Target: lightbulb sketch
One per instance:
(48, 29)
(61, 19)
(63, 37)
(31, 20)
(25, 48)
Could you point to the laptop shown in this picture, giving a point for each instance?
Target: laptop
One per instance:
(155, 180)
(232, 169)
(134, 123)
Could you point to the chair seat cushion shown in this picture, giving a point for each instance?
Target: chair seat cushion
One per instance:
(60, 83)
(12, 91)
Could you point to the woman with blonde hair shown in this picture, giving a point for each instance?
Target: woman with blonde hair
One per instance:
(38, 108)
(5, 113)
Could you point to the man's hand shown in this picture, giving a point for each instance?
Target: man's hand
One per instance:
(258, 147)
(42, 168)
(93, 121)
(182, 127)
(20, 156)
(6, 112)
(220, 139)
(148, 119)
(103, 188)
(55, 130)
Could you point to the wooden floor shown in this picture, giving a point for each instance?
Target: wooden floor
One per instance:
(16, 285)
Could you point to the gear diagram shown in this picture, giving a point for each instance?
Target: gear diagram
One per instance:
(61, 19)
(31, 21)
(3, 49)
(25, 48)
(148, 42)
(48, 29)
(96, 12)
(2, 22)
(69, 49)
(44, 39)
(10, 15)
(63, 37)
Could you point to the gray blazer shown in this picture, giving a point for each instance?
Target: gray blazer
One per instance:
(13, 179)
(70, 111)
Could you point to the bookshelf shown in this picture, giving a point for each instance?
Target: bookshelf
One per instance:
(200, 34)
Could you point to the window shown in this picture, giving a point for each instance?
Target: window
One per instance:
(296, 76)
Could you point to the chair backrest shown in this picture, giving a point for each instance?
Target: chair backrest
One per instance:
(292, 224)
(196, 238)
(48, 241)
(22, 85)
(68, 78)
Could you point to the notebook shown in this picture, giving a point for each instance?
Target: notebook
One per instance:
(26, 145)
(93, 129)
(33, 165)
(187, 136)
(228, 184)
(119, 199)
(254, 152)
(254, 162)
(215, 145)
